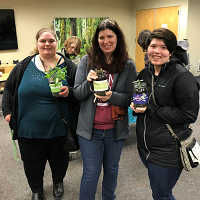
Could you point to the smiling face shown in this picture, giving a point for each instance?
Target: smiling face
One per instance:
(47, 44)
(107, 42)
(158, 53)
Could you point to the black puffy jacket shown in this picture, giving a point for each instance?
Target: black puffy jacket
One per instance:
(177, 98)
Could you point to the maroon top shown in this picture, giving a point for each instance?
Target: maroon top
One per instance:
(103, 117)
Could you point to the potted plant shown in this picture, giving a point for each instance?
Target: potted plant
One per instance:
(101, 83)
(140, 94)
(55, 76)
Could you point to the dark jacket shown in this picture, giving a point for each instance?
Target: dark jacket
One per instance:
(64, 53)
(177, 98)
(75, 58)
(10, 94)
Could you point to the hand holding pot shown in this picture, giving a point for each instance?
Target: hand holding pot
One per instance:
(92, 76)
(104, 98)
(65, 91)
(138, 109)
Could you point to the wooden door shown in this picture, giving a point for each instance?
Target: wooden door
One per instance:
(168, 16)
(152, 19)
(145, 20)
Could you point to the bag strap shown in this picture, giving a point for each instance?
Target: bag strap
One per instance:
(154, 100)
(61, 112)
(116, 82)
(172, 132)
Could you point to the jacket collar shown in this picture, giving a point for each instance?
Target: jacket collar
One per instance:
(166, 65)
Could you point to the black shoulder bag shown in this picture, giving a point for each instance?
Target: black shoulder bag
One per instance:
(189, 147)
(70, 142)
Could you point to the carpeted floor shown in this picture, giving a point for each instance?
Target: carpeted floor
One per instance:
(133, 183)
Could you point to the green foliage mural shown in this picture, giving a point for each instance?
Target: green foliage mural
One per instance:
(84, 28)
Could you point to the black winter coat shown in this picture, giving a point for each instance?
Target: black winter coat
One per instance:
(10, 94)
(177, 98)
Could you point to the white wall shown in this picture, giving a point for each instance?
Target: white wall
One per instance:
(30, 16)
(193, 34)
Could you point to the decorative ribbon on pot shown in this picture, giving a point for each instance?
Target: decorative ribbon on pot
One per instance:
(56, 87)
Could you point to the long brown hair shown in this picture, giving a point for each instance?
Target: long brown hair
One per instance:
(97, 58)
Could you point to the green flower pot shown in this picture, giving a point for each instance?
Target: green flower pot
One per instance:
(55, 88)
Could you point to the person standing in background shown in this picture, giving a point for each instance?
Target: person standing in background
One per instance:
(71, 49)
(142, 41)
(101, 138)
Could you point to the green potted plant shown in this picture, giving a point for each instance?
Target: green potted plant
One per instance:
(55, 76)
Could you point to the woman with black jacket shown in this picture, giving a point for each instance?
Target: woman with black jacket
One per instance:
(174, 100)
(30, 108)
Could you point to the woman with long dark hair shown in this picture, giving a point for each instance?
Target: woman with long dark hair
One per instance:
(102, 138)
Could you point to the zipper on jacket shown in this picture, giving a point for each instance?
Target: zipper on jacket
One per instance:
(145, 115)
(145, 123)
(145, 137)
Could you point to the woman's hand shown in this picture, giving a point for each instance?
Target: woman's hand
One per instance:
(7, 118)
(65, 91)
(104, 98)
(92, 76)
(137, 110)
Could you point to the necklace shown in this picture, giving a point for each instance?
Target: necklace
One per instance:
(42, 63)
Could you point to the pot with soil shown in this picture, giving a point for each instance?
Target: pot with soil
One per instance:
(55, 88)
(140, 94)
(101, 83)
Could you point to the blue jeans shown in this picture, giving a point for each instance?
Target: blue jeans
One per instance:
(162, 180)
(101, 149)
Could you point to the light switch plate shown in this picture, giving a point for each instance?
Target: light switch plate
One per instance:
(198, 66)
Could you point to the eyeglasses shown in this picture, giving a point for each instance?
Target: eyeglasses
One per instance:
(73, 48)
